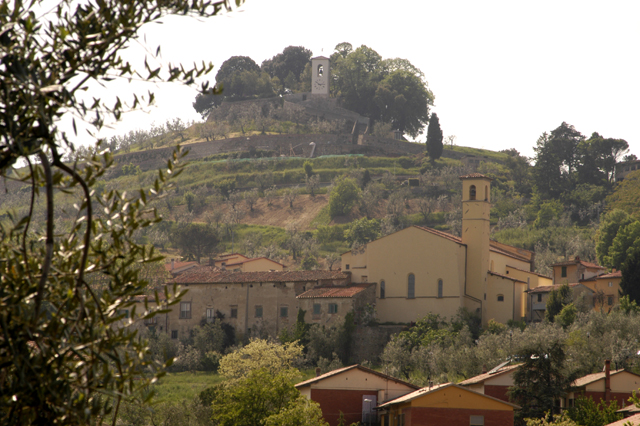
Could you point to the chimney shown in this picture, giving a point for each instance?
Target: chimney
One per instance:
(173, 264)
(318, 371)
(484, 368)
(607, 380)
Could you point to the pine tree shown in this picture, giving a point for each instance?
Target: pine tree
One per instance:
(434, 138)
(630, 283)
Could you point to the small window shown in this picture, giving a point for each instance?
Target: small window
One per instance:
(284, 312)
(610, 300)
(185, 310)
(346, 266)
(258, 311)
(486, 193)
(151, 321)
(320, 70)
(472, 192)
(440, 290)
(333, 308)
(124, 312)
(316, 309)
(400, 420)
(364, 278)
(411, 290)
(174, 334)
(211, 313)
(382, 289)
(476, 420)
(610, 284)
(234, 312)
(564, 272)
(500, 298)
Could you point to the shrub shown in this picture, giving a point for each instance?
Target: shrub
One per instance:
(344, 196)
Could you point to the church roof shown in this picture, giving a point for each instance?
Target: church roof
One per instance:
(475, 176)
(320, 57)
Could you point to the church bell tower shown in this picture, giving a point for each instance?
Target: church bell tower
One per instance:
(320, 76)
(476, 207)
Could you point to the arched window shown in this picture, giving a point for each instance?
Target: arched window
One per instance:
(320, 70)
(486, 193)
(472, 192)
(440, 285)
(382, 289)
(411, 290)
(500, 298)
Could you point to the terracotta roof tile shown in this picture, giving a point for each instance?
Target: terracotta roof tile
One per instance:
(351, 367)
(240, 262)
(616, 274)
(425, 391)
(179, 265)
(581, 262)
(331, 292)
(631, 421)
(211, 275)
(590, 378)
(484, 376)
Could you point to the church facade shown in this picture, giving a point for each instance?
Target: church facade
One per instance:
(419, 270)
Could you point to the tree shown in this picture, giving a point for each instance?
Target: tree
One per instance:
(195, 241)
(308, 168)
(434, 138)
(627, 237)
(627, 194)
(540, 381)
(65, 357)
(291, 194)
(313, 183)
(630, 283)
(251, 197)
(609, 227)
(205, 102)
(362, 231)
(260, 355)
(586, 412)
(557, 300)
(291, 62)
(238, 68)
(344, 196)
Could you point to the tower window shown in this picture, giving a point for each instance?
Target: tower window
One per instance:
(382, 289)
(411, 290)
(563, 272)
(500, 298)
(440, 285)
(472, 192)
(486, 193)
(320, 70)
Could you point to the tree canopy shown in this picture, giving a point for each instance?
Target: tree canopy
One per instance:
(288, 66)
(434, 138)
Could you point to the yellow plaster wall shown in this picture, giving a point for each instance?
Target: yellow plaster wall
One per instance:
(501, 262)
(429, 257)
(572, 274)
(533, 279)
(603, 286)
(261, 264)
(621, 382)
(500, 311)
(455, 397)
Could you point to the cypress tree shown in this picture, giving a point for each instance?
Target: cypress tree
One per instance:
(434, 138)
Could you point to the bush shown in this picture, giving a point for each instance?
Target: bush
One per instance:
(344, 196)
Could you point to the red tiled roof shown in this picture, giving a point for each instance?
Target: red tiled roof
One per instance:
(616, 274)
(330, 292)
(484, 376)
(549, 288)
(359, 367)
(631, 421)
(211, 275)
(581, 262)
(529, 272)
(590, 378)
(475, 176)
(506, 277)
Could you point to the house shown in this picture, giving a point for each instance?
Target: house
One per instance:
(540, 295)
(254, 303)
(629, 410)
(447, 404)
(606, 288)
(574, 271)
(625, 167)
(605, 386)
(495, 383)
(176, 268)
(329, 305)
(239, 262)
(353, 391)
(419, 270)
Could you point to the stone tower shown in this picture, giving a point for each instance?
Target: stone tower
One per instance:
(320, 73)
(476, 206)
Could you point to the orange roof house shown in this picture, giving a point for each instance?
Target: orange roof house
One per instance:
(239, 262)
(574, 271)
(176, 268)
(328, 305)
(353, 391)
(605, 386)
(447, 404)
(494, 383)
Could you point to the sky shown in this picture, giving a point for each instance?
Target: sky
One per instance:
(502, 72)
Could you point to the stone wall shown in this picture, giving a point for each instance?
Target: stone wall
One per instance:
(369, 342)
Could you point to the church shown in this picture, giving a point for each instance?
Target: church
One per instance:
(420, 270)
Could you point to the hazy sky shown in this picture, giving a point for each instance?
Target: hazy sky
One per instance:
(502, 72)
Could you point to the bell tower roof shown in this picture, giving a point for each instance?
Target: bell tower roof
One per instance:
(475, 176)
